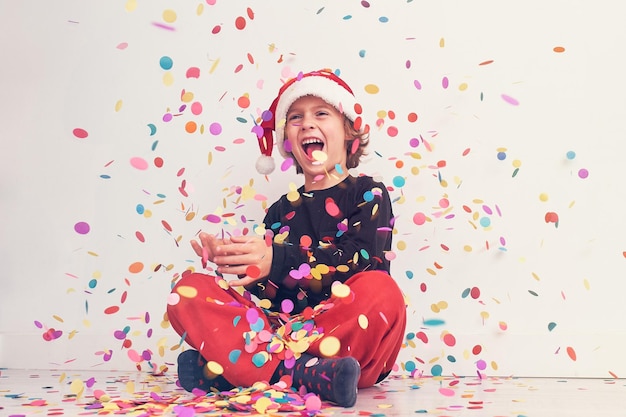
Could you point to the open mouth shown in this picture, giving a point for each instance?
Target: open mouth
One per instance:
(311, 145)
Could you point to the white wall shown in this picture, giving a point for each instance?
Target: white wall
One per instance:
(95, 66)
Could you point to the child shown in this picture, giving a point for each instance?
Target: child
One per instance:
(330, 317)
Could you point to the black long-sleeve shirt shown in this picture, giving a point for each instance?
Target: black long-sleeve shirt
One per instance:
(324, 236)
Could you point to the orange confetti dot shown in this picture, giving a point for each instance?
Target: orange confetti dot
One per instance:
(490, 61)
(135, 267)
(243, 102)
(558, 49)
(191, 126)
(399, 164)
(571, 353)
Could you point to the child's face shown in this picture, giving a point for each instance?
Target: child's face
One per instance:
(317, 137)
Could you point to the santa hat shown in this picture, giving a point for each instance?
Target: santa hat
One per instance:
(323, 84)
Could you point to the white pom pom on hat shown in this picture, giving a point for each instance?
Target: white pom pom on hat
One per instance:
(323, 84)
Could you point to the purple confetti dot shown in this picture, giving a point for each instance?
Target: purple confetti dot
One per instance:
(583, 173)
(82, 228)
(215, 128)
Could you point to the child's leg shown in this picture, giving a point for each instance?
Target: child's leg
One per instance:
(369, 324)
(215, 320)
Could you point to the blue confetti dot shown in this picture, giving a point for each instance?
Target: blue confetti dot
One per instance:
(347, 17)
(383, 19)
(362, 53)
(570, 155)
(233, 356)
(166, 63)
(501, 156)
(93, 283)
(258, 359)
(409, 274)
(436, 370)
(368, 196)
(140, 209)
(485, 221)
(399, 181)
(409, 366)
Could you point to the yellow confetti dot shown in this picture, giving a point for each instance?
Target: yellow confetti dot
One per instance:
(262, 404)
(340, 290)
(187, 291)
(543, 197)
(214, 369)
(463, 87)
(131, 5)
(372, 89)
(187, 97)
(168, 79)
(130, 387)
(77, 387)
(401, 245)
(467, 248)
(169, 16)
(329, 346)
(586, 284)
(363, 321)
(118, 105)
(442, 42)
(517, 163)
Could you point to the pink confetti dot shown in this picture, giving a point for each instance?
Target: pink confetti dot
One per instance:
(82, 228)
(510, 100)
(80, 133)
(448, 392)
(196, 108)
(583, 173)
(139, 163)
(419, 218)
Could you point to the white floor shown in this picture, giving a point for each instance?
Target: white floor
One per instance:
(55, 393)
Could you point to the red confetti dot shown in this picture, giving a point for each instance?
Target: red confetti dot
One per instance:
(412, 117)
(80, 133)
(477, 349)
(158, 162)
(111, 310)
(240, 23)
(253, 271)
(475, 293)
(332, 208)
(449, 339)
(216, 29)
(392, 131)
(140, 237)
(250, 13)
(423, 287)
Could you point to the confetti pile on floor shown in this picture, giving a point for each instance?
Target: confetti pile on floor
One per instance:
(52, 393)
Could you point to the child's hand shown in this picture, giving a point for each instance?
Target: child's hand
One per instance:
(239, 254)
(206, 248)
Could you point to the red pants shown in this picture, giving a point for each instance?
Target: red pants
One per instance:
(367, 324)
